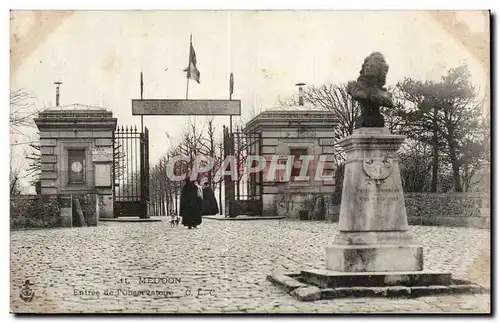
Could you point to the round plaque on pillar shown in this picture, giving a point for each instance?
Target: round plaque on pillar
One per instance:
(76, 167)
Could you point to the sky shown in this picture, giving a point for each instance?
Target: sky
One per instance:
(98, 56)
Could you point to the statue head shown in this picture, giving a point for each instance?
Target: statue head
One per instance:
(374, 70)
(369, 90)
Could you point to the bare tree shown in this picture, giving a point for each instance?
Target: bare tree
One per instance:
(415, 166)
(196, 140)
(161, 188)
(35, 167)
(22, 111)
(164, 192)
(255, 111)
(119, 163)
(15, 187)
(209, 148)
(333, 98)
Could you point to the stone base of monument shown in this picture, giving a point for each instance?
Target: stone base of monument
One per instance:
(329, 278)
(315, 284)
(374, 258)
(374, 251)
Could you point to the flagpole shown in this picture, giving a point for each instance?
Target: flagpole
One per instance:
(189, 64)
(142, 90)
(230, 98)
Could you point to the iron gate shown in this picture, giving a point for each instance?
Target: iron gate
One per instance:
(244, 195)
(130, 172)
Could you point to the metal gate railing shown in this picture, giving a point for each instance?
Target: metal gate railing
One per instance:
(243, 196)
(130, 172)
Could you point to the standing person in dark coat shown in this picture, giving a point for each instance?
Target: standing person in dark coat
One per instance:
(191, 205)
(210, 206)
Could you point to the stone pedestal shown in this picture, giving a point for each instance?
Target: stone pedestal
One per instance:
(372, 224)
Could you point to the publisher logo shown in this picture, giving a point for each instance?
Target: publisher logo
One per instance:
(27, 293)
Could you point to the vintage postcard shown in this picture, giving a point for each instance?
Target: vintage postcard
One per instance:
(250, 161)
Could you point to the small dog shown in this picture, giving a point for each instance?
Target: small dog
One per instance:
(174, 220)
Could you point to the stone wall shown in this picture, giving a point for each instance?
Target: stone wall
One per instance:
(468, 209)
(46, 211)
(34, 211)
(310, 206)
(451, 209)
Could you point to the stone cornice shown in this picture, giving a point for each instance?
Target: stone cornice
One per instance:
(291, 118)
(76, 124)
(75, 119)
(75, 114)
(61, 121)
(371, 138)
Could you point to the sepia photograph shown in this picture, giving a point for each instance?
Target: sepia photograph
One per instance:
(250, 162)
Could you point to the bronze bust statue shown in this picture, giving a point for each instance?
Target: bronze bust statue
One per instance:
(369, 91)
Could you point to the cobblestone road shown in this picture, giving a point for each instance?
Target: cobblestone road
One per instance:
(227, 260)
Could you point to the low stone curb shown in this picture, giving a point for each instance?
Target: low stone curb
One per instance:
(34, 229)
(242, 218)
(288, 284)
(131, 219)
(305, 292)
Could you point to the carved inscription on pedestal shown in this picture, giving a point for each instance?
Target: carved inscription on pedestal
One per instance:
(379, 195)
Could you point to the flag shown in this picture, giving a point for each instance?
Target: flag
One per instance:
(231, 84)
(142, 86)
(192, 70)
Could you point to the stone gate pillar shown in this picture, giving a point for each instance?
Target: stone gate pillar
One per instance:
(76, 146)
(286, 136)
